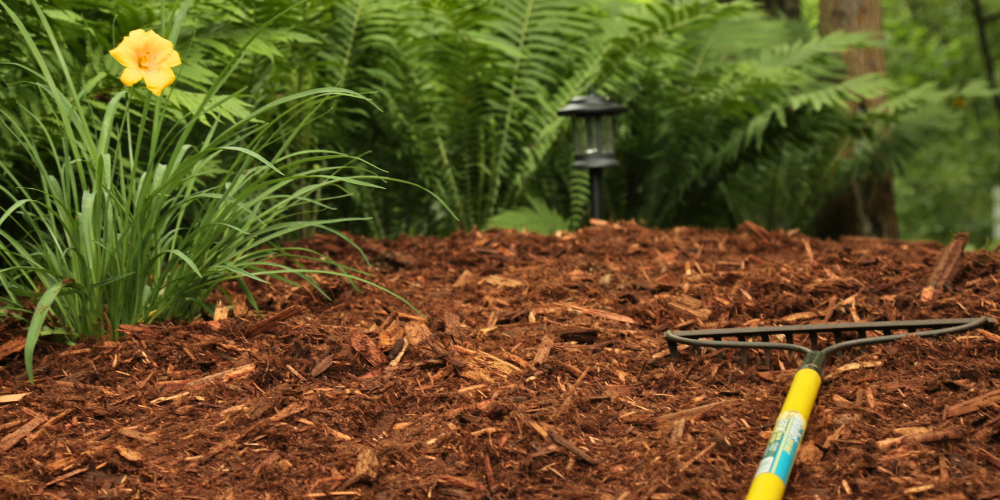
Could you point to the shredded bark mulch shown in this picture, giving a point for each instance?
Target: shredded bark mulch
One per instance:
(539, 371)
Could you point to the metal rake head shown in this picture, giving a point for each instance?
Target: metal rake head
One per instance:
(882, 332)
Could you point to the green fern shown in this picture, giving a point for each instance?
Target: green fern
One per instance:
(537, 218)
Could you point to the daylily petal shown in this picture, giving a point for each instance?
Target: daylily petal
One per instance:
(172, 59)
(131, 76)
(157, 44)
(158, 80)
(126, 54)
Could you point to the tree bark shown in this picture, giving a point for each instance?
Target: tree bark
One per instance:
(867, 206)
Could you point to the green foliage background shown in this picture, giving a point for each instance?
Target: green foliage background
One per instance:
(732, 115)
(945, 188)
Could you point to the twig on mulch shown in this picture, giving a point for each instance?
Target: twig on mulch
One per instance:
(267, 324)
(66, 476)
(489, 473)
(569, 394)
(225, 376)
(700, 454)
(561, 441)
(991, 458)
(215, 450)
(946, 269)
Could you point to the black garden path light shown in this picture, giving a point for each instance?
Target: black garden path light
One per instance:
(594, 139)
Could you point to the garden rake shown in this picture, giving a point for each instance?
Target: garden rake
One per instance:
(775, 468)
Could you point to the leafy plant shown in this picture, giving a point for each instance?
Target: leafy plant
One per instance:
(136, 216)
(538, 218)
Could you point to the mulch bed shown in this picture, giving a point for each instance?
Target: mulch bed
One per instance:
(540, 371)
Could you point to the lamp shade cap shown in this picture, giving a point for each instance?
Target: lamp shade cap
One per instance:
(592, 104)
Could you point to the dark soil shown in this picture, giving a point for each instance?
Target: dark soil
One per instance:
(311, 408)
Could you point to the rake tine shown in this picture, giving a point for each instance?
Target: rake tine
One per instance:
(861, 335)
(767, 352)
(814, 340)
(743, 351)
(789, 339)
(675, 354)
(837, 337)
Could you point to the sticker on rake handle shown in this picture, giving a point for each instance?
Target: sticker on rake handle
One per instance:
(783, 445)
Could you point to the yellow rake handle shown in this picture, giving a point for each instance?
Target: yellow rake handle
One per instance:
(775, 468)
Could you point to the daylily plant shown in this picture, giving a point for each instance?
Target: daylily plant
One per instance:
(147, 56)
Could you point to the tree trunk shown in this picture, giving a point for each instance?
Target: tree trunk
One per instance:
(791, 8)
(867, 206)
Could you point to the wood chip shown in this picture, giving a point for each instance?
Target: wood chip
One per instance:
(972, 405)
(12, 398)
(416, 332)
(688, 305)
(223, 377)
(923, 437)
(128, 453)
(165, 399)
(130, 432)
(809, 251)
(913, 490)
(857, 366)
(799, 316)
(367, 464)
(221, 311)
(10, 440)
(292, 409)
(690, 413)
(461, 482)
(365, 346)
(948, 265)
(543, 350)
(323, 365)
(501, 282)
(466, 278)
(600, 314)
(340, 435)
(10, 347)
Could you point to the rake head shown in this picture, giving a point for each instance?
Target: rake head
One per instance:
(865, 334)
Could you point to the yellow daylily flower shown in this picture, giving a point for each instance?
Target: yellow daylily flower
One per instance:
(147, 56)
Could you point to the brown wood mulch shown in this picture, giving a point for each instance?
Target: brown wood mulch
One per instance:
(538, 372)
